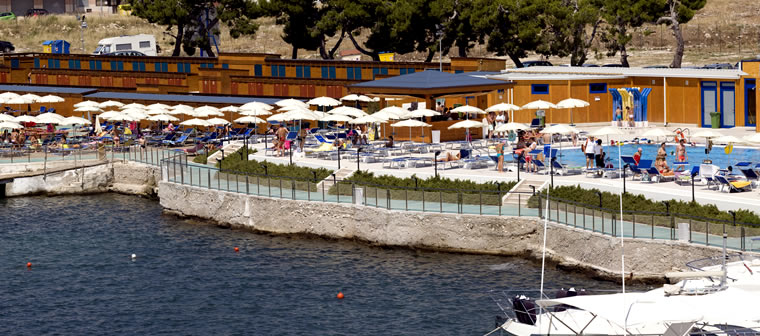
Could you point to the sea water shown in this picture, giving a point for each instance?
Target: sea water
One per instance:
(187, 279)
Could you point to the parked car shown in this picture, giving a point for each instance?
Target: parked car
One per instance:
(125, 53)
(36, 12)
(527, 64)
(6, 47)
(718, 66)
(613, 65)
(7, 16)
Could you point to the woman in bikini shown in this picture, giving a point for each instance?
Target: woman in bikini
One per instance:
(661, 162)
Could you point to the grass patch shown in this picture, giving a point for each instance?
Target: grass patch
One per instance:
(698, 214)
(432, 189)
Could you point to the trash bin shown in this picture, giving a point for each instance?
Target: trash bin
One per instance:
(358, 196)
(715, 119)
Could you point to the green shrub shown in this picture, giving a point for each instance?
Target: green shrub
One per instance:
(611, 204)
(433, 189)
(201, 158)
(234, 163)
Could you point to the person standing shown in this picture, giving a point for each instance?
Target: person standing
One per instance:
(599, 154)
(589, 150)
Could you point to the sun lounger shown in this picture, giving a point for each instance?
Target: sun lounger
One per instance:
(707, 174)
(685, 177)
(561, 169)
(732, 186)
(654, 175)
(751, 175)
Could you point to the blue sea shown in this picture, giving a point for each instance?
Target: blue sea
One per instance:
(188, 280)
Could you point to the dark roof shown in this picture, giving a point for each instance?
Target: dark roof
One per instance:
(46, 89)
(479, 73)
(179, 98)
(429, 79)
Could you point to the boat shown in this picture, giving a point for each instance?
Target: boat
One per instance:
(716, 297)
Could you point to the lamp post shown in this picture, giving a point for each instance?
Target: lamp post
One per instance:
(314, 174)
(624, 168)
(599, 193)
(339, 157)
(82, 27)
(551, 170)
(439, 35)
(435, 162)
(266, 171)
(693, 198)
(358, 156)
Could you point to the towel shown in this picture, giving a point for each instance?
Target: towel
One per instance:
(740, 184)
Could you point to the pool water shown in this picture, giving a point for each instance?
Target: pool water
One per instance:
(695, 154)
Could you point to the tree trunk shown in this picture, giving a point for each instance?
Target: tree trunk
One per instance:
(462, 47)
(624, 56)
(322, 51)
(678, 55)
(516, 60)
(332, 52)
(294, 53)
(178, 39)
(375, 56)
(431, 53)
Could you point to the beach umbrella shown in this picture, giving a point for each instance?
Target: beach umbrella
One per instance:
(49, 118)
(107, 115)
(511, 126)
(293, 107)
(9, 95)
(559, 129)
(195, 122)
(250, 120)
(368, 119)
(230, 108)
(89, 103)
(118, 116)
(390, 113)
(539, 105)
(467, 109)
(74, 121)
(25, 119)
(155, 110)
(421, 113)
(50, 99)
(182, 107)
(10, 125)
(301, 115)
(254, 112)
(324, 101)
(218, 121)
(466, 124)
(110, 103)
(87, 108)
(32, 97)
(290, 102)
(163, 117)
(278, 117)
(256, 105)
(411, 123)
(355, 97)
(6, 117)
(134, 105)
(571, 103)
(18, 101)
(134, 110)
(658, 132)
(158, 105)
(337, 117)
(752, 138)
(348, 111)
(607, 130)
(707, 133)
(729, 140)
(136, 115)
(97, 129)
(504, 107)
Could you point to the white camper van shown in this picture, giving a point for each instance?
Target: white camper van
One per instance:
(143, 43)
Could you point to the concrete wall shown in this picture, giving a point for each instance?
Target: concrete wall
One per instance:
(646, 260)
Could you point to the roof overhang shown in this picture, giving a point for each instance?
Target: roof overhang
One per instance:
(548, 73)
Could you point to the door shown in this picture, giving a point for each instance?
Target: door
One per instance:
(727, 104)
(709, 102)
(750, 102)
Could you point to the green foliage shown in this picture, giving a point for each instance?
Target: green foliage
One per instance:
(611, 202)
(514, 28)
(433, 182)
(233, 162)
(201, 158)
(299, 18)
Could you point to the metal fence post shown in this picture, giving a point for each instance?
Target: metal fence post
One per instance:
(208, 175)
(246, 184)
(423, 200)
(388, 197)
(519, 205)
(440, 202)
(480, 201)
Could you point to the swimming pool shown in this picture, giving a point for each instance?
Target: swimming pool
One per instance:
(696, 154)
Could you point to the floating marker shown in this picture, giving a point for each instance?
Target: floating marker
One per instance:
(237, 249)
(134, 256)
(29, 265)
(340, 296)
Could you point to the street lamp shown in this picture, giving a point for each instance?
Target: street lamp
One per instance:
(266, 171)
(358, 156)
(82, 27)
(599, 193)
(439, 35)
(435, 162)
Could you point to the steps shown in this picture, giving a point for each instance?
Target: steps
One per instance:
(339, 175)
(520, 194)
(229, 148)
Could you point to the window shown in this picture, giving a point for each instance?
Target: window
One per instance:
(161, 67)
(458, 71)
(257, 70)
(75, 64)
(274, 71)
(299, 71)
(539, 88)
(307, 71)
(404, 71)
(36, 62)
(349, 73)
(124, 46)
(95, 65)
(597, 88)
(138, 66)
(328, 72)
(357, 73)
(15, 63)
(144, 44)
(117, 66)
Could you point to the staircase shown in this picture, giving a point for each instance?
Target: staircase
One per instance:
(521, 192)
(229, 148)
(341, 174)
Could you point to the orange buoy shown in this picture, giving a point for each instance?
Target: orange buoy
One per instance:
(29, 264)
(237, 249)
(340, 295)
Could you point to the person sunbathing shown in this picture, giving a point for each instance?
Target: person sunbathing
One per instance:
(450, 157)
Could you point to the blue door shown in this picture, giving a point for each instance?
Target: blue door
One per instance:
(727, 104)
(750, 103)
(709, 102)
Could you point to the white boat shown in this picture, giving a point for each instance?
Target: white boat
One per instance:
(710, 300)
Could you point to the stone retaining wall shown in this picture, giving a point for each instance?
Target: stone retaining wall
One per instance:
(646, 260)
